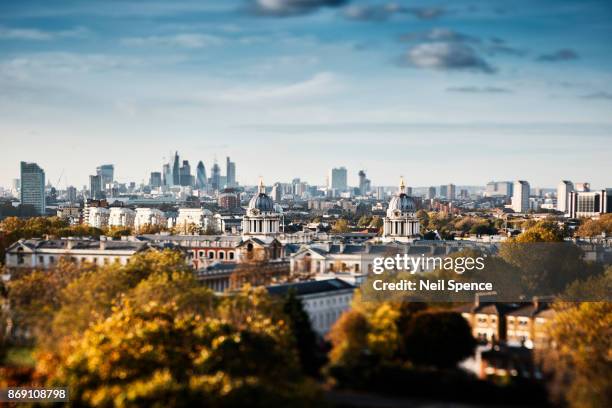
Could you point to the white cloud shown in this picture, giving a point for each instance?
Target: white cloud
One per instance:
(187, 40)
(323, 83)
(34, 34)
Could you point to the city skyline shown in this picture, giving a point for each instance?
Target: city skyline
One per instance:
(480, 90)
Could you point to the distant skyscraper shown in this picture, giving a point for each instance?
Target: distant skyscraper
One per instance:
(520, 197)
(450, 190)
(409, 191)
(563, 189)
(33, 186)
(71, 194)
(166, 175)
(338, 179)
(201, 176)
(95, 187)
(499, 188)
(443, 191)
(156, 179)
(215, 177)
(185, 179)
(277, 192)
(176, 170)
(230, 173)
(364, 183)
(107, 175)
(431, 193)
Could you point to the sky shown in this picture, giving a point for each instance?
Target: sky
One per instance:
(438, 92)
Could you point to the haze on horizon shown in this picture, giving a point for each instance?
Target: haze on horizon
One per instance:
(463, 91)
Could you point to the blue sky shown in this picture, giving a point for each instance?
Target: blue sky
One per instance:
(449, 91)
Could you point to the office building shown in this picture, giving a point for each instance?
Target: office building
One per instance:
(277, 192)
(451, 193)
(32, 191)
(364, 183)
(166, 175)
(443, 192)
(155, 180)
(185, 177)
(176, 170)
(230, 173)
(337, 179)
(215, 177)
(201, 176)
(589, 203)
(107, 175)
(121, 217)
(564, 188)
(95, 187)
(71, 194)
(431, 193)
(499, 189)
(520, 196)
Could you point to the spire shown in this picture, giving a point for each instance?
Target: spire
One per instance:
(262, 188)
(402, 185)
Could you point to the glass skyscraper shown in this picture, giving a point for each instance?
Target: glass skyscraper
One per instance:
(33, 186)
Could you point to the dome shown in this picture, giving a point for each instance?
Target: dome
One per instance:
(402, 201)
(261, 201)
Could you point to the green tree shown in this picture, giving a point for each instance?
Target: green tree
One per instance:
(311, 359)
(579, 356)
(438, 338)
(341, 226)
(157, 356)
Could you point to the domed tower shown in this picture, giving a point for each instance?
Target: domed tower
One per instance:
(401, 223)
(262, 218)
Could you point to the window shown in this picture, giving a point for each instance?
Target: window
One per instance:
(231, 255)
(221, 255)
(51, 259)
(95, 261)
(201, 254)
(211, 254)
(41, 259)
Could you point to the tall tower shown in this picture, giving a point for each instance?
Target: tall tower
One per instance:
(230, 173)
(215, 177)
(201, 176)
(564, 188)
(32, 190)
(520, 197)
(176, 169)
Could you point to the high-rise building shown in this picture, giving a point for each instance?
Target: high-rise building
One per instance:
(364, 183)
(166, 175)
(450, 190)
(520, 196)
(201, 176)
(107, 175)
(589, 203)
(277, 192)
(32, 191)
(71, 194)
(409, 191)
(95, 187)
(185, 177)
(176, 170)
(431, 193)
(230, 173)
(337, 179)
(443, 191)
(155, 180)
(499, 188)
(564, 188)
(215, 177)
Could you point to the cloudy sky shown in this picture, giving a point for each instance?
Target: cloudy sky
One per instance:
(448, 91)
